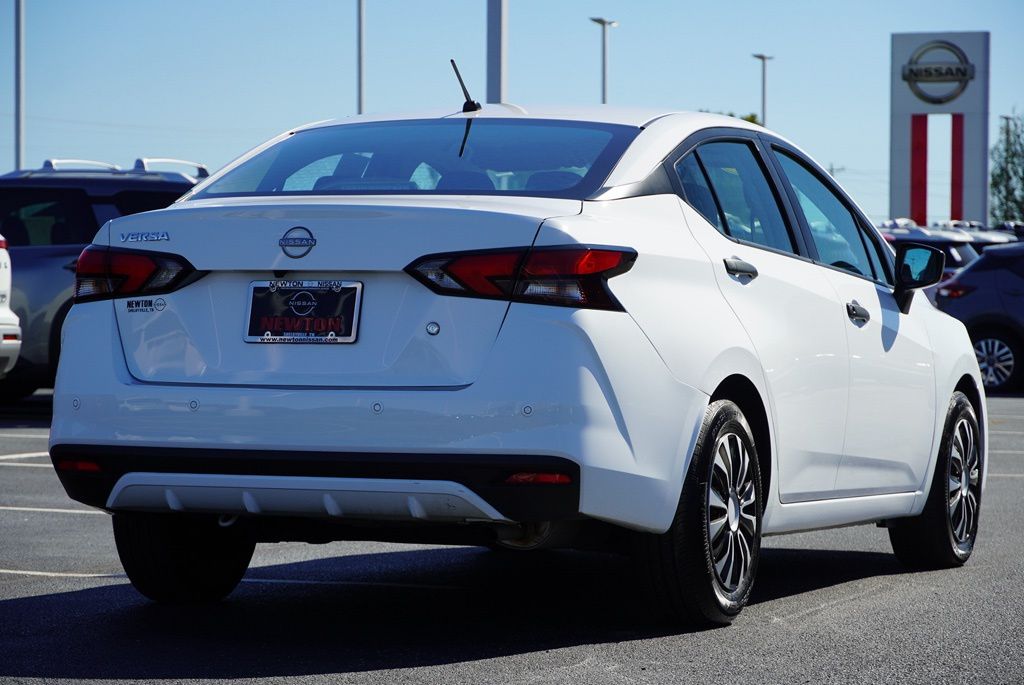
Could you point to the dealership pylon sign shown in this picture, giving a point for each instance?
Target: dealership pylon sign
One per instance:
(939, 73)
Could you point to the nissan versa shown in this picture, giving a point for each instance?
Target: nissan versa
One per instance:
(516, 328)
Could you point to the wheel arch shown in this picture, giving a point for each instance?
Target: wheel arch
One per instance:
(741, 390)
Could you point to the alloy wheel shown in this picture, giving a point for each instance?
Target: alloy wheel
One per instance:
(964, 482)
(996, 360)
(731, 512)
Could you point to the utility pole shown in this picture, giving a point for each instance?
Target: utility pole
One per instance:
(605, 25)
(360, 27)
(497, 44)
(764, 84)
(833, 169)
(19, 83)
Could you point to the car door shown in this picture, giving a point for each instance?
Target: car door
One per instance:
(891, 410)
(783, 300)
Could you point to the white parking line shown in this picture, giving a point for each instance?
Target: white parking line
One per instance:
(35, 466)
(23, 455)
(50, 574)
(45, 510)
(40, 436)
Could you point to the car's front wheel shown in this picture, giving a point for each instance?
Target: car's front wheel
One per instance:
(702, 569)
(181, 560)
(943, 535)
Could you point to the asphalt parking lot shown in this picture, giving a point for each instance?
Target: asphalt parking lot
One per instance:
(831, 606)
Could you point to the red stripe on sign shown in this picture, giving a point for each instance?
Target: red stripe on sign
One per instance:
(919, 169)
(956, 190)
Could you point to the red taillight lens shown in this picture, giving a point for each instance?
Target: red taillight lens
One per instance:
(104, 273)
(78, 465)
(571, 276)
(3, 243)
(952, 290)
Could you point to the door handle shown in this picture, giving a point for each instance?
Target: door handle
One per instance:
(737, 267)
(857, 313)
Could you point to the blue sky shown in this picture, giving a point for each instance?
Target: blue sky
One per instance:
(208, 79)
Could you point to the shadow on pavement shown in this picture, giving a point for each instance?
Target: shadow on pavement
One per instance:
(369, 612)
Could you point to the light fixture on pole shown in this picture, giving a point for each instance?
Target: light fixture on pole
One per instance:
(605, 25)
(764, 83)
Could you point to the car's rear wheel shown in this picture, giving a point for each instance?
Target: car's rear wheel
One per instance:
(181, 560)
(1000, 358)
(943, 535)
(702, 569)
(13, 390)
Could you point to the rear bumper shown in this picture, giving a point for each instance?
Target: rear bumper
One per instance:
(580, 389)
(435, 487)
(9, 349)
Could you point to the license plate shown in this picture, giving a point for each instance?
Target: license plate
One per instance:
(317, 312)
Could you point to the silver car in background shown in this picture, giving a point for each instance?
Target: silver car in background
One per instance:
(47, 217)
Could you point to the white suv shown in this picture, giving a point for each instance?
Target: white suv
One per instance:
(10, 328)
(511, 328)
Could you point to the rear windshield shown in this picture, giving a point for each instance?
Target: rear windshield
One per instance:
(438, 156)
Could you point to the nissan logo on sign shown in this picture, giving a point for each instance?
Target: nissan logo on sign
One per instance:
(938, 72)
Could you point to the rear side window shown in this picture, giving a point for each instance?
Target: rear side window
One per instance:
(697, 191)
(729, 177)
(480, 156)
(45, 216)
(959, 255)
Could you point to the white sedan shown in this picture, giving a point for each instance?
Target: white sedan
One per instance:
(516, 328)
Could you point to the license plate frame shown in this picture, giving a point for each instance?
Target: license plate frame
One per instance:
(295, 313)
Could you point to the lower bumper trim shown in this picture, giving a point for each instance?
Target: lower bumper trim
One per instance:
(347, 498)
(384, 486)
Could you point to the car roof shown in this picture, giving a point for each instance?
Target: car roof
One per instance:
(94, 182)
(1007, 250)
(605, 114)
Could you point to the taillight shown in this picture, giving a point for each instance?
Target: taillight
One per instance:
(569, 276)
(952, 290)
(3, 243)
(103, 273)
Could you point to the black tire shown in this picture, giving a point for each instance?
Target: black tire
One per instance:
(992, 347)
(680, 563)
(13, 390)
(181, 560)
(943, 535)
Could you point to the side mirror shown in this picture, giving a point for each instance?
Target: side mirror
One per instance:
(917, 266)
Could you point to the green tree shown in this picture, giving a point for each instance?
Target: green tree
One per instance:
(1008, 171)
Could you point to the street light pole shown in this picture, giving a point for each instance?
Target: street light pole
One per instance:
(605, 25)
(19, 82)
(764, 84)
(360, 26)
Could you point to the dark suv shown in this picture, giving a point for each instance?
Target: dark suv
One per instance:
(48, 215)
(988, 296)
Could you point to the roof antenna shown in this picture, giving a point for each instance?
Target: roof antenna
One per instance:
(470, 105)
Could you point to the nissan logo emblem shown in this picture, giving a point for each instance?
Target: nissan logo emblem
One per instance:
(297, 242)
(941, 77)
